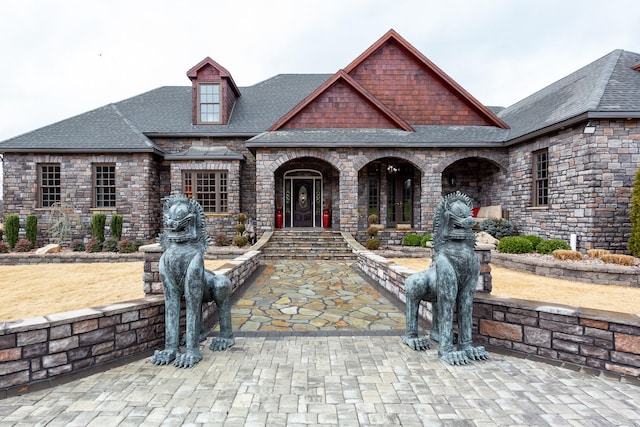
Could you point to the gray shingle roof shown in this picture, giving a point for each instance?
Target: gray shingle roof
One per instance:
(606, 85)
(609, 85)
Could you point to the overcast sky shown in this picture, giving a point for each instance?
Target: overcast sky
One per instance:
(62, 58)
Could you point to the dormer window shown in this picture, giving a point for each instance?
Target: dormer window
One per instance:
(209, 102)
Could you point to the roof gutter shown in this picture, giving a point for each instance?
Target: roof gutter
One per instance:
(201, 134)
(76, 151)
(589, 115)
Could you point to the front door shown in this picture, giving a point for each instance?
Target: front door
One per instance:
(303, 192)
(399, 201)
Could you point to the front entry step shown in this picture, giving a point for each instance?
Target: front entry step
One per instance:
(307, 243)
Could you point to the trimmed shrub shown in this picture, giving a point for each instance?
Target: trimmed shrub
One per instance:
(634, 215)
(94, 245)
(4, 248)
(12, 228)
(372, 244)
(222, 240)
(22, 245)
(618, 259)
(535, 240)
(546, 247)
(98, 221)
(78, 246)
(31, 229)
(372, 219)
(498, 228)
(373, 230)
(426, 239)
(116, 227)
(597, 253)
(411, 240)
(564, 255)
(514, 245)
(240, 241)
(110, 245)
(126, 246)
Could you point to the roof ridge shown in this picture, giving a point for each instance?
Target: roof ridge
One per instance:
(606, 71)
(134, 128)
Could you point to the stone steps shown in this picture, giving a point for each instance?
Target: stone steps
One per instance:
(307, 243)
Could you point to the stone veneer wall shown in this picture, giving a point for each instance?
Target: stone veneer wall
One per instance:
(590, 182)
(42, 349)
(137, 179)
(596, 339)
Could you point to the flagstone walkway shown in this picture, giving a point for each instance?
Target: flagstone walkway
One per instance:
(314, 296)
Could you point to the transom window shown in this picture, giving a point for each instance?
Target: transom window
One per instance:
(104, 176)
(49, 184)
(209, 188)
(209, 103)
(541, 178)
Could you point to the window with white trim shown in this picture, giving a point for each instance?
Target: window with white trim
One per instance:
(209, 102)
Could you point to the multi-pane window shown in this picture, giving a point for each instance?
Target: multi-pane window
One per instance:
(209, 188)
(209, 103)
(104, 185)
(541, 178)
(49, 184)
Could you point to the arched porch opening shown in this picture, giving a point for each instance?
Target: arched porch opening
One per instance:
(306, 190)
(389, 188)
(479, 178)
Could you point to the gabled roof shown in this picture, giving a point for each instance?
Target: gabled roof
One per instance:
(364, 96)
(223, 72)
(393, 37)
(608, 87)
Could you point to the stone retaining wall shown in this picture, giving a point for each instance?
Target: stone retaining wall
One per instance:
(607, 274)
(41, 349)
(597, 339)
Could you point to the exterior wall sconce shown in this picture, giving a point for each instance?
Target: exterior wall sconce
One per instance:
(452, 180)
(589, 128)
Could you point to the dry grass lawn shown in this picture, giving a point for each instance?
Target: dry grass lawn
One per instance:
(30, 291)
(516, 284)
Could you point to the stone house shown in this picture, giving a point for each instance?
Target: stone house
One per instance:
(388, 134)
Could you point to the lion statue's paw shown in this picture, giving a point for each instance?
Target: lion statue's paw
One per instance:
(164, 357)
(416, 343)
(188, 359)
(221, 344)
(477, 353)
(455, 358)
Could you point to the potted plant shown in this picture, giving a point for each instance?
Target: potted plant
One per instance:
(326, 214)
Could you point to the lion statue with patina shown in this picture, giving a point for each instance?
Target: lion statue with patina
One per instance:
(185, 241)
(449, 284)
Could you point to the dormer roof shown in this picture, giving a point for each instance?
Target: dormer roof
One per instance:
(193, 73)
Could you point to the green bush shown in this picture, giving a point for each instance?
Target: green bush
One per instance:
(372, 244)
(78, 246)
(12, 228)
(110, 245)
(98, 221)
(535, 240)
(514, 245)
(634, 240)
(240, 241)
(548, 246)
(498, 228)
(426, 239)
(116, 227)
(373, 231)
(31, 228)
(411, 239)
